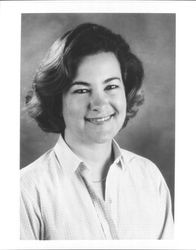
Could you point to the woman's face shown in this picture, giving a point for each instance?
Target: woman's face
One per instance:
(94, 108)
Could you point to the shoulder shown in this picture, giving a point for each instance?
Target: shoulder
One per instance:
(141, 167)
(36, 173)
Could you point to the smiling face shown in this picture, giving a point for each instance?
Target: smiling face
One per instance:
(94, 108)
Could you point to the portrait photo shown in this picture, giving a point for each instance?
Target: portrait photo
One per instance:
(97, 126)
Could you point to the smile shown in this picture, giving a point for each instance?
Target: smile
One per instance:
(99, 120)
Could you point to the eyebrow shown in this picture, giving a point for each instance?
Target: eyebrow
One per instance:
(80, 83)
(111, 79)
(88, 84)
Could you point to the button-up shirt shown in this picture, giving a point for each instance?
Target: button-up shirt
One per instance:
(59, 203)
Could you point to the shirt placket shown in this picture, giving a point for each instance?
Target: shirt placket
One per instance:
(102, 209)
(112, 192)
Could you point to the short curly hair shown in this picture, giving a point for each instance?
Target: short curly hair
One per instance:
(58, 69)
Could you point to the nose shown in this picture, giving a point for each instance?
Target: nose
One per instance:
(98, 101)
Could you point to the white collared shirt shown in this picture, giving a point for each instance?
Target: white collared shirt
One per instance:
(56, 203)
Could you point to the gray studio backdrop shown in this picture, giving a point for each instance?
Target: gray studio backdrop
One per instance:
(152, 37)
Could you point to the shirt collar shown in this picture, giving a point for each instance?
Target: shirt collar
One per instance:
(70, 161)
(122, 157)
(119, 157)
(67, 158)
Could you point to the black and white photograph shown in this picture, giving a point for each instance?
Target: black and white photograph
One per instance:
(97, 124)
(105, 171)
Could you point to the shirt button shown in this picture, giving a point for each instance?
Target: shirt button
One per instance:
(110, 201)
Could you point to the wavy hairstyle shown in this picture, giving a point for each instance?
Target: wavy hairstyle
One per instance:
(58, 69)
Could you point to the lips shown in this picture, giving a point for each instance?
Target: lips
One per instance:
(99, 120)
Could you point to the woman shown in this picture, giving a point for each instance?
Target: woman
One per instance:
(87, 88)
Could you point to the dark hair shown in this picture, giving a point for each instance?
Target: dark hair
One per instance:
(58, 69)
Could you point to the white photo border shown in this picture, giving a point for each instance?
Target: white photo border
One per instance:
(185, 167)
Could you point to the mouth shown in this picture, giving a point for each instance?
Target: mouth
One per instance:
(99, 120)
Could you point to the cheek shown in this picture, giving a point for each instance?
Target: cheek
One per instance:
(67, 112)
(72, 110)
(122, 103)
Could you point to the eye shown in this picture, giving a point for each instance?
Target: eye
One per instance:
(81, 91)
(111, 87)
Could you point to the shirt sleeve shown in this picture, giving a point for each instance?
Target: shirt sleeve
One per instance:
(166, 206)
(30, 218)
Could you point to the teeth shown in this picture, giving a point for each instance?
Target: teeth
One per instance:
(103, 119)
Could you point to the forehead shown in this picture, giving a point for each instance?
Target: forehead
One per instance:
(101, 65)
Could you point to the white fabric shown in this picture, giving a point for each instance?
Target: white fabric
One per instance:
(57, 205)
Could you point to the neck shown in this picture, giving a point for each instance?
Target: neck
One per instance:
(98, 157)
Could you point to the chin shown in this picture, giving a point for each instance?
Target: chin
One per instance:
(101, 139)
(101, 136)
